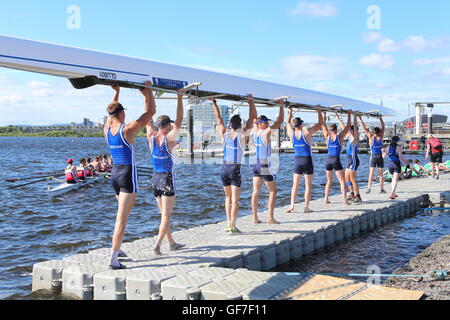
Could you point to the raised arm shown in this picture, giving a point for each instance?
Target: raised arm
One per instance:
(341, 124)
(174, 133)
(290, 130)
(319, 124)
(280, 118)
(117, 94)
(383, 126)
(347, 127)
(251, 114)
(219, 119)
(325, 131)
(366, 131)
(356, 130)
(149, 111)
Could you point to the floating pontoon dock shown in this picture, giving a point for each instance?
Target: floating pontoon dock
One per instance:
(217, 265)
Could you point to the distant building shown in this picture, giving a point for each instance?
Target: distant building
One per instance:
(87, 123)
(204, 113)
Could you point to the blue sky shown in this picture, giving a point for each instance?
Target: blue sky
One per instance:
(320, 45)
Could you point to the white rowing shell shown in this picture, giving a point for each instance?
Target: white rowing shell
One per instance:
(86, 68)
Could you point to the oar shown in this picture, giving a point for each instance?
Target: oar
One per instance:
(26, 184)
(49, 173)
(23, 179)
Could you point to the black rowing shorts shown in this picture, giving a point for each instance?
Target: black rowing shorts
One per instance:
(304, 165)
(377, 161)
(124, 179)
(163, 184)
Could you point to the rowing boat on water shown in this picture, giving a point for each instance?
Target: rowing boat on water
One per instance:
(85, 68)
(65, 187)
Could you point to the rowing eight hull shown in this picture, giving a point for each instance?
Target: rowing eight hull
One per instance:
(76, 63)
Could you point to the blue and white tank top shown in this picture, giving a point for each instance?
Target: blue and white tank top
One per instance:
(377, 146)
(393, 154)
(352, 149)
(301, 146)
(162, 158)
(121, 151)
(232, 149)
(263, 150)
(334, 147)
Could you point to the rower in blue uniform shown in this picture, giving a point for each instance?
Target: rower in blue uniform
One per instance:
(263, 170)
(394, 151)
(333, 164)
(301, 138)
(121, 138)
(233, 139)
(353, 159)
(376, 153)
(162, 138)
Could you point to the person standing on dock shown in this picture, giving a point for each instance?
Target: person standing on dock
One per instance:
(376, 153)
(434, 148)
(353, 160)
(394, 151)
(121, 139)
(334, 143)
(233, 140)
(301, 138)
(163, 138)
(262, 168)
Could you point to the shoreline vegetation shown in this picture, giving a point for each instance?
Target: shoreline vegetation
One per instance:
(12, 131)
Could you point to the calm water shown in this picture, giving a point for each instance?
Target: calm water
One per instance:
(35, 227)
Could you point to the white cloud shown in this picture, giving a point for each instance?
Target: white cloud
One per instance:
(388, 45)
(377, 61)
(34, 84)
(311, 67)
(315, 9)
(371, 37)
(422, 62)
(13, 98)
(42, 93)
(446, 72)
(412, 43)
(416, 43)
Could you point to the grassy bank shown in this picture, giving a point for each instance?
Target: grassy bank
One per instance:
(19, 132)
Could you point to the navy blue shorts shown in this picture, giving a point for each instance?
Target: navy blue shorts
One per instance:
(334, 164)
(263, 171)
(395, 167)
(163, 184)
(304, 165)
(376, 161)
(353, 163)
(124, 179)
(231, 175)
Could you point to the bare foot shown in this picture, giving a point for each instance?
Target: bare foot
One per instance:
(273, 221)
(308, 210)
(290, 210)
(327, 202)
(256, 221)
(347, 203)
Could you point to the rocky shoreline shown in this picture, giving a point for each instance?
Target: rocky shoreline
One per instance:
(435, 257)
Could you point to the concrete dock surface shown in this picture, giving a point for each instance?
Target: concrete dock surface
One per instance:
(218, 266)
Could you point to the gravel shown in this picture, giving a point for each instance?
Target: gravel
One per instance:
(435, 257)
